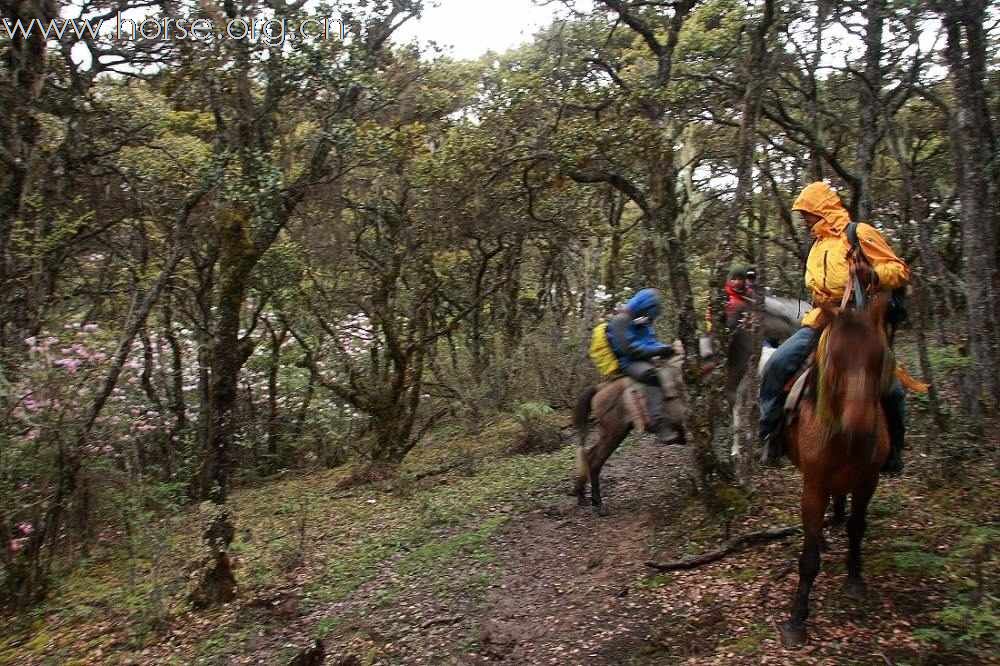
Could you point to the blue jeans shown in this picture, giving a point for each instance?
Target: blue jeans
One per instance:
(788, 358)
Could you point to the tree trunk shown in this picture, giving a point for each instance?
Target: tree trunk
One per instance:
(176, 392)
(920, 302)
(616, 206)
(974, 151)
(812, 101)
(273, 427)
(20, 90)
(756, 78)
(228, 352)
(871, 86)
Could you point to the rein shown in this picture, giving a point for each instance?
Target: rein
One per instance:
(853, 287)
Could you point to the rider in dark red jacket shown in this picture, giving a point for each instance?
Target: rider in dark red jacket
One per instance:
(738, 295)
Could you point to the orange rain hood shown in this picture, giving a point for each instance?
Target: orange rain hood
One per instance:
(820, 199)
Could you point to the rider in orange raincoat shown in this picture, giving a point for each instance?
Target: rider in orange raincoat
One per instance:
(827, 273)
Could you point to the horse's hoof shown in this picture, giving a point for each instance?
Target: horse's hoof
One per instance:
(792, 635)
(601, 511)
(856, 589)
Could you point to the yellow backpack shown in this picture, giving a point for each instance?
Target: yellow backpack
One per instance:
(600, 351)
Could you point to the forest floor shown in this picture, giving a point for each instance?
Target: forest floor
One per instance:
(489, 561)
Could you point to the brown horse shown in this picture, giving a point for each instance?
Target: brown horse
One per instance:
(608, 404)
(839, 441)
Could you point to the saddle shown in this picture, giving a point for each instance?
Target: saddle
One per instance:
(638, 412)
(672, 384)
(635, 398)
(798, 386)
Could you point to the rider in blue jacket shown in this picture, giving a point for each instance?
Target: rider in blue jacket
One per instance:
(630, 333)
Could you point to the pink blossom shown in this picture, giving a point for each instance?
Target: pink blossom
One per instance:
(17, 544)
(71, 364)
(26, 528)
(90, 328)
(31, 341)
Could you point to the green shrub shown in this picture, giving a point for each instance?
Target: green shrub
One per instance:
(538, 434)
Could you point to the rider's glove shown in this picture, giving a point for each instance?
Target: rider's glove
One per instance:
(663, 351)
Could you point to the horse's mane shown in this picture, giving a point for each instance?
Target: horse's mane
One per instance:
(852, 336)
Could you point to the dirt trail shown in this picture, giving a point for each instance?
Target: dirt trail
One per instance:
(558, 589)
(566, 593)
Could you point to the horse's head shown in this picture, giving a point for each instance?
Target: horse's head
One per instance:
(852, 358)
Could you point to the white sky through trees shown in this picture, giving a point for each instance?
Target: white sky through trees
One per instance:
(473, 27)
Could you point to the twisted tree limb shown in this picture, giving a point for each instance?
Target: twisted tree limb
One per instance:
(729, 547)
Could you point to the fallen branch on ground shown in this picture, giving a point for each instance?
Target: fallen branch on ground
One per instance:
(448, 619)
(729, 547)
(438, 470)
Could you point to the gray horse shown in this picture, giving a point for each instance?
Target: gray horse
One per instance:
(779, 318)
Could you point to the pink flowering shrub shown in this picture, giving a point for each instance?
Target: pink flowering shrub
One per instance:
(135, 447)
(47, 404)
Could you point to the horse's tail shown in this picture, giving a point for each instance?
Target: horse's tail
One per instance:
(581, 415)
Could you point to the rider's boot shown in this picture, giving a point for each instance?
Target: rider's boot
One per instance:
(658, 424)
(771, 449)
(895, 421)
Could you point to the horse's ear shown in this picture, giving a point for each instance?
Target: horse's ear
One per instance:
(879, 308)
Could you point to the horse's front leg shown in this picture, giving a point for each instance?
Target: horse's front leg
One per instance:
(854, 586)
(793, 632)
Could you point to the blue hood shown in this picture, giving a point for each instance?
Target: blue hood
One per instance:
(645, 303)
